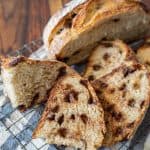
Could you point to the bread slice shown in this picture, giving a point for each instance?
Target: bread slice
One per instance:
(73, 115)
(124, 94)
(107, 57)
(82, 24)
(143, 54)
(28, 82)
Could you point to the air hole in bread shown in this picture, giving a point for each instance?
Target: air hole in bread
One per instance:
(62, 132)
(124, 93)
(91, 78)
(130, 125)
(118, 131)
(116, 20)
(72, 117)
(71, 96)
(142, 104)
(84, 118)
(60, 30)
(96, 67)
(131, 102)
(68, 23)
(34, 100)
(55, 109)
(106, 56)
(60, 119)
(122, 87)
(51, 117)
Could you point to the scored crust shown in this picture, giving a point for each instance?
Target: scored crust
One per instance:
(93, 21)
(73, 115)
(28, 82)
(124, 95)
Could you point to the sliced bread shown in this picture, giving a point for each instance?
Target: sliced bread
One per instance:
(82, 24)
(107, 57)
(73, 115)
(124, 94)
(28, 82)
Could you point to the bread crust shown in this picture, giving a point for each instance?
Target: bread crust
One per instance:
(86, 17)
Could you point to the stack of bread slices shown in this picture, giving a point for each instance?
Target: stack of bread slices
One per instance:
(106, 103)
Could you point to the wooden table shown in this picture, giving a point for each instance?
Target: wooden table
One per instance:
(22, 21)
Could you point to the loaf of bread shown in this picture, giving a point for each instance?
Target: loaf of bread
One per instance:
(72, 33)
(143, 54)
(28, 82)
(123, 88)
(73, 115)
(124, 95)
(107, 57)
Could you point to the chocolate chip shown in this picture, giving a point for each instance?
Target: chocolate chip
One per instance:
(65, 59)
(62, 72)
(84, 83)
(123, 86)
(130, 125)
(73, 15)
(116, 20)
(112, 90)
(131, 102)
(118, 131)
(62, 132)
(91, 78)
(127, 71)
(142, 104)
(110, 108)
(137, 66)
(96, 67)
(90, 101)
(55, 109)
(117, 116)
(68, 23)
(84, 118)
(16, 60)
(60, 119)
(71, 96)
(51, 117)
(102, 84)
(106, 56)
(145, 6)
(72, 117)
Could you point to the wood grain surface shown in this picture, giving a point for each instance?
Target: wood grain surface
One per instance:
(22, 21)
